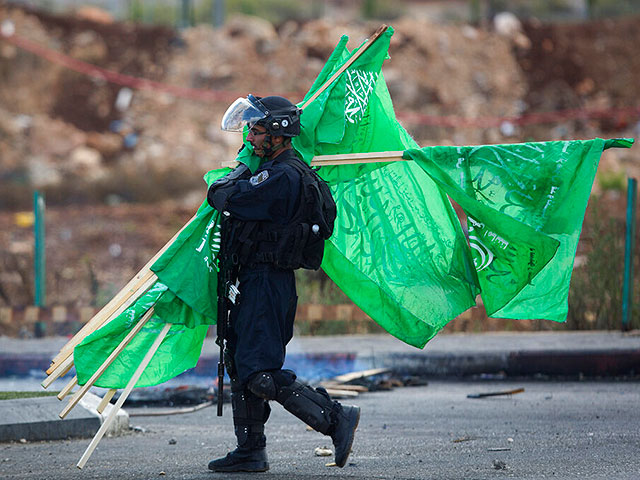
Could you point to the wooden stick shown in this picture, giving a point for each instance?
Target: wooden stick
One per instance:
(334, 392)
(143, 288)
(354, 158)
(347, 159)
(494, 394)
(347, 377)
(60, 370)
(114, 411)
(344, 386)
(65, 391)
(355, 56)
(129, 290)
(106, 313)
(106, 399)
(83, 390)
(127, 304)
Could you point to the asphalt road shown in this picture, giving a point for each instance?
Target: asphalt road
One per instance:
(552, 430)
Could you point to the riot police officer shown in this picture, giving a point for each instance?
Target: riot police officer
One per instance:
(260, 209)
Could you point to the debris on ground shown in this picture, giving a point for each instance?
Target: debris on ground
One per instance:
(499, 465)
(352, 384)
(495, 394)
(463, 439)
(323, 452)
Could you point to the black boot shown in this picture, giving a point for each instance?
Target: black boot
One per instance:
(316, 409)
(249, 416)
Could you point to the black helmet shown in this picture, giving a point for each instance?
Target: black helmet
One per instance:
(277, 114)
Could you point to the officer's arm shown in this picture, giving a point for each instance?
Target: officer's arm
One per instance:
(238, 173)
(265, 196)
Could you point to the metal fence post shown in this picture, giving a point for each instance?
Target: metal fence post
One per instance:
(630, 235)
(39, 263)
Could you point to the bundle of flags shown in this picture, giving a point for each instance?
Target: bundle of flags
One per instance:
(398, 251)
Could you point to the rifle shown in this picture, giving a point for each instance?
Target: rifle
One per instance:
(227, 295)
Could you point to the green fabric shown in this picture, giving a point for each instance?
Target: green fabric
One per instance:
(397, 250)
(525, 204)
(178, 352)
(185, 296)
(194, 252)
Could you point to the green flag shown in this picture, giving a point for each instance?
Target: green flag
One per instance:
(185, 296)
(178, 352)
(525, 204)
(397, 250)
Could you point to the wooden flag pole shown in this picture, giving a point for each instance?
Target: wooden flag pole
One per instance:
(347, 64)
(355, 158)
(106, 399)
(85, 388)
(114, 411)
(143, 276)
(60, 370)
(348, 159)
(65, 391)
(99, 318)
(64, 356)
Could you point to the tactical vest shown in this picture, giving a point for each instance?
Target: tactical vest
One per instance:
(298, 244)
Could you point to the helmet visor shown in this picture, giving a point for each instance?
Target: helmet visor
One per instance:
(241, 112)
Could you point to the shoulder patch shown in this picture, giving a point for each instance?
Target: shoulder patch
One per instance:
(259, 178)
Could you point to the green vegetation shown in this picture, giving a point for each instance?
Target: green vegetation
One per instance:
(17, 395)
(317, 287)
(595, 296)
(337, 327)
(609, 180)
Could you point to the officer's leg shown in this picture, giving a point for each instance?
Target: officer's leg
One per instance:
(250, 413)
(312, 406)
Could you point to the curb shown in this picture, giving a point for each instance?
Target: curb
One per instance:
(36, 419)
(517, 364)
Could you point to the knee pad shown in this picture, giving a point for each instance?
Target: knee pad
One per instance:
(266, 384)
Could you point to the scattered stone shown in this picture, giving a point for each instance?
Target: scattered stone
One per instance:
(323, 452)
(499, 465)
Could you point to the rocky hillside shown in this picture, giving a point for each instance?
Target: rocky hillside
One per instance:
(88, 141)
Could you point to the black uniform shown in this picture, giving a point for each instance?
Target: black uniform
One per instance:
(262, 324)
(259, 208)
